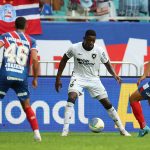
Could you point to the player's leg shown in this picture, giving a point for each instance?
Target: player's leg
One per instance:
(31, 117)
(4, 86)
(113, 114)
(72, 96)
(136, 108)
(135, 99)
(75, 88)
(98, 91)
(21, 89)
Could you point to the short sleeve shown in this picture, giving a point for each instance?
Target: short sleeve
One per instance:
(33, 44)
(103, 56)
(70, 52)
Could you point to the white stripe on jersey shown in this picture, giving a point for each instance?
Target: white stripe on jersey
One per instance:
(13, 40)
(19, 37)
(27, 40)
(145, 86)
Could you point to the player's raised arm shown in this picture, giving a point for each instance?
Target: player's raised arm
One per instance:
(35, 67)
(112, 72)
(62, 65)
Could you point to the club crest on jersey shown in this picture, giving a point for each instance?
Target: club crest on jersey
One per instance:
(93, 56)
(8, 13)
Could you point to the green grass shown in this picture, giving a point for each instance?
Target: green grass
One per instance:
(75, 141)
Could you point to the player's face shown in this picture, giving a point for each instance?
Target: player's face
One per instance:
(89, 42)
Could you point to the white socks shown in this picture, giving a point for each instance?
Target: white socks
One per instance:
(69, 110)
(68, 114)
(114, 115)
(37, 135)
(37, 132)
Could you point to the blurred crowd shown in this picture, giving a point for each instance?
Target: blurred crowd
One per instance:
(103, 9)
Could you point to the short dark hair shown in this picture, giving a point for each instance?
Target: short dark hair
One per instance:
(20, 23)
(90, 33)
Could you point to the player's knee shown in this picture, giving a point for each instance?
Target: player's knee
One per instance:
(72, 96)
(71, 100)
(25, 103)
(131, 99)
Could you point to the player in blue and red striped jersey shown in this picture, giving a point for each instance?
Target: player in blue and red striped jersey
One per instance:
(18, 49)
(142, 93)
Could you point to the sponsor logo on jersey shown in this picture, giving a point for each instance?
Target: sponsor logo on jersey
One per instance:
(13, 78)
(2, 93)
(14, 67)
(22, 94)
(84, 62)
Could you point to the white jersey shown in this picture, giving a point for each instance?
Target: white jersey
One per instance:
(87, 63)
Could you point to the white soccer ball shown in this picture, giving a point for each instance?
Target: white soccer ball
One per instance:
(96, 125)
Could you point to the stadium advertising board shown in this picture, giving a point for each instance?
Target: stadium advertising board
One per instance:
(129, 46)
(123, 41)
(49, 107)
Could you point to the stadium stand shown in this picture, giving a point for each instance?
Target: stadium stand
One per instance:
(125, 10)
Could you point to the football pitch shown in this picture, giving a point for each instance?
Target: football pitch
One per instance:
(75, 141)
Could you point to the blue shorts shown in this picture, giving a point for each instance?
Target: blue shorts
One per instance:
(145, 90)
(20, 88)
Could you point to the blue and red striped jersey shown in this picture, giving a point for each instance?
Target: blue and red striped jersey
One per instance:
(16, 55)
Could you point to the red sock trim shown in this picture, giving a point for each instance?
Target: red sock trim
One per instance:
(138, 113)
(31, 118)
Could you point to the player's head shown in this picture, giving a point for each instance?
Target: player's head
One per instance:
(89, 39)
(20, 23)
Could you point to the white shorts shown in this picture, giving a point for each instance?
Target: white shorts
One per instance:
(94, 86)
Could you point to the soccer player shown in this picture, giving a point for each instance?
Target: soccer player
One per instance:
(18, 48)
(87, 57)
(142, 93)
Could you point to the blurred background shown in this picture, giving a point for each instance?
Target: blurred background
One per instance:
(101, 10)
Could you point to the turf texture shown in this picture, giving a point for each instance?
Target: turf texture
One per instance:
(75, 141)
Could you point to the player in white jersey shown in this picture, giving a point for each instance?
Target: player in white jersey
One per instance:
(87, 57)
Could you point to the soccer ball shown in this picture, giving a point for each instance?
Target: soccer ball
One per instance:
(96, 125)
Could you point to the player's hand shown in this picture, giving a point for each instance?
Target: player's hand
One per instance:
(58, 85)
(141, 79)
(34, 83)
(118, 79)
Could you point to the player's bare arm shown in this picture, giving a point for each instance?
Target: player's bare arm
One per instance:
(35, 67)
(62, 65)
(146, 71)
(112, 72)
